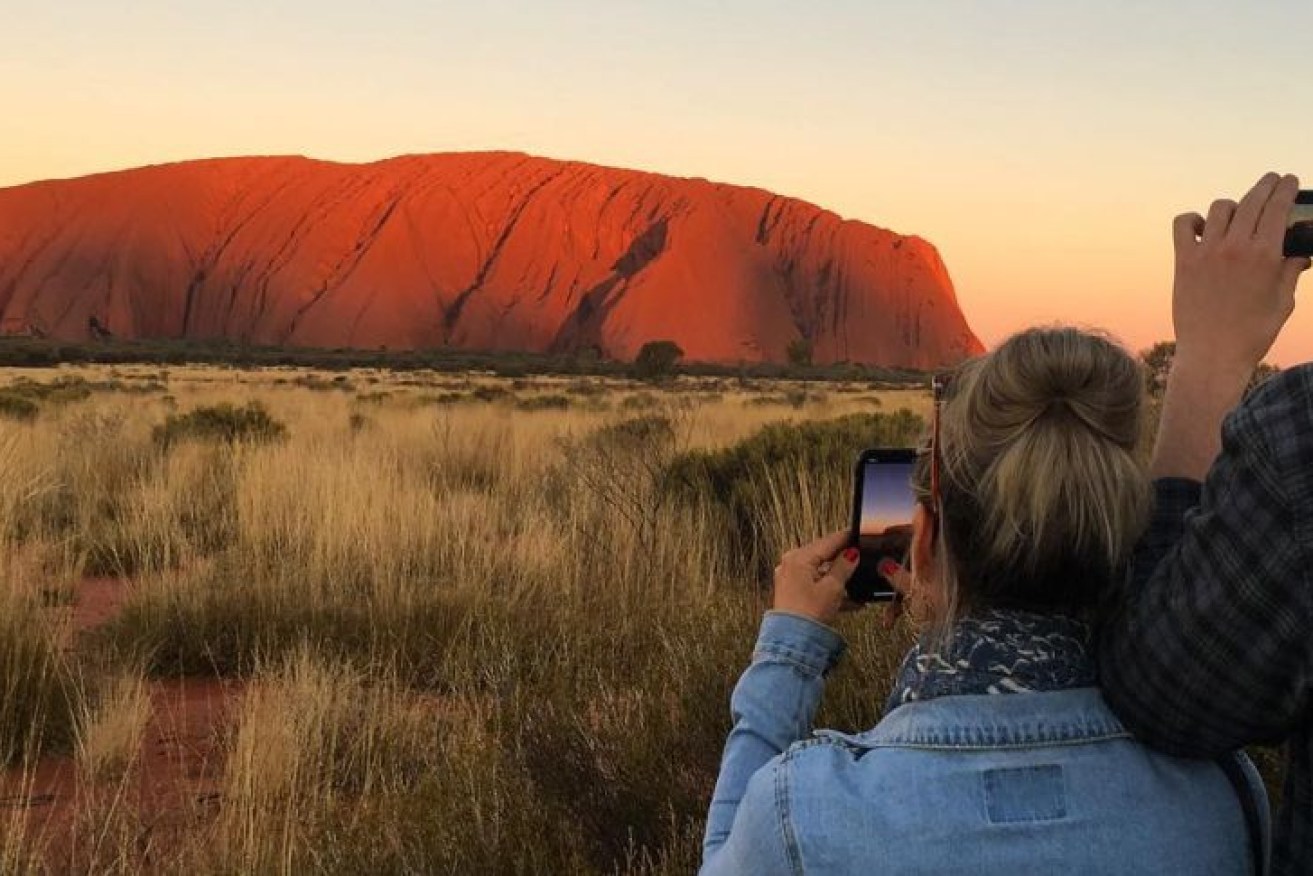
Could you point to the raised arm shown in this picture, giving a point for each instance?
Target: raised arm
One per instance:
(773, 706)
(1209, 648)
(1232, 294)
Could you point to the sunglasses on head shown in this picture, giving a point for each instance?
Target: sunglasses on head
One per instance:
(939, 389)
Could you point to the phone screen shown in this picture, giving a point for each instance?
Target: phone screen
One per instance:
(883, 518)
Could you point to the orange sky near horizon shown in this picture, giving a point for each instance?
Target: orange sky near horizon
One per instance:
(1043, 150)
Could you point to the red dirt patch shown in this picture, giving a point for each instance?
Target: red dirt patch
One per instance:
(177, 773)
(98, 601)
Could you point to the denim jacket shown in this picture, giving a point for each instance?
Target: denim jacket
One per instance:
(1021, 783)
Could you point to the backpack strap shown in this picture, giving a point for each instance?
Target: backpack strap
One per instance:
(1248, 784)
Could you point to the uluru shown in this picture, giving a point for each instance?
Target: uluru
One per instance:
(480, 251)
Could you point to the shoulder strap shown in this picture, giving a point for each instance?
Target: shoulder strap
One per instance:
(1248, 784)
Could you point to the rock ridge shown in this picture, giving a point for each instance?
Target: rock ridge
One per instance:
(492, 251)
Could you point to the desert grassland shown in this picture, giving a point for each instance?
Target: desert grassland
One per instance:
(476, 625)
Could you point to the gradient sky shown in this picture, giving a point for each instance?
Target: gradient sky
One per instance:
(1043, 145)
(887, 497)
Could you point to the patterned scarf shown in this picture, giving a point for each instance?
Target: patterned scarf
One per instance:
(999, 652)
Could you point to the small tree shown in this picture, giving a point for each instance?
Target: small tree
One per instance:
(1158, 364)
(587, 358)
(656, 360)
(799, 352)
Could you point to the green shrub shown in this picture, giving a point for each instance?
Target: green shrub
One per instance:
(221, 422)
(16, 407)
(656, 360)
(794, 398)
(587, 388)
(543, 403)
(642, 401)
(445, 398)
(742, 480)
(319, 384)
(38, 688)
(60, 390)
(144, 388)
(491, 394)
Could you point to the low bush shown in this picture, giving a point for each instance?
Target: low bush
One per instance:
(543, 403)
(640, 401)
(444, 399)
(221, 422)
(59, 391)
(38, 690)
(318, 384)
(794, 398)
(491, 394)
(745, 481)
(586, 388)
(17, 407)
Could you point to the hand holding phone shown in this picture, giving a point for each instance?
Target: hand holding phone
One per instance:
(883, 507)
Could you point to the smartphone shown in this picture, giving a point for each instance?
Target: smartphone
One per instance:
(1299, 232)
(883, 504)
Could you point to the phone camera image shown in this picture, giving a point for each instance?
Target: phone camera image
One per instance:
(882, 519)
(1299, 232)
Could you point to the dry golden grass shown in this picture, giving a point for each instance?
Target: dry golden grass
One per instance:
(479, 633)
(110, 734)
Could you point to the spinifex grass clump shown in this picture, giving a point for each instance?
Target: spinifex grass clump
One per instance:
(18, 407)
(38, 690)
(61, 390)
(221, 422)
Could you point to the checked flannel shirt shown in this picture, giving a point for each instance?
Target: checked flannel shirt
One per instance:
(1211, 647)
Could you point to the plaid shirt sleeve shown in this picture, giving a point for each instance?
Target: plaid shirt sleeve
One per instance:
(1209, 648)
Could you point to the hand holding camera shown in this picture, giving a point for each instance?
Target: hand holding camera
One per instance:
(1236, 273)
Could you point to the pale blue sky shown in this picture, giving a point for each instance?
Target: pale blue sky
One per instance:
(1043, 146)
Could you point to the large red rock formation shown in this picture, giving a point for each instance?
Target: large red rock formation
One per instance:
(489, 251)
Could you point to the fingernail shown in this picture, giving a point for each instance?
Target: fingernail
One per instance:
(850, 555)
(888, 568)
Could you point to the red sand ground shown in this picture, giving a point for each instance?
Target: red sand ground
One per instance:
(180, 762)
(495, 251)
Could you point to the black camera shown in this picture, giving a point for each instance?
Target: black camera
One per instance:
(1299, 233)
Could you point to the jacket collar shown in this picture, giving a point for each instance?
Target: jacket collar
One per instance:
(985, 722)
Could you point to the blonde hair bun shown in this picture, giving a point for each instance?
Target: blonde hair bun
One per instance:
(1043, 497)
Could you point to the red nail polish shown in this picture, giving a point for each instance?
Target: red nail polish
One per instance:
(850, 555)
(888, 567)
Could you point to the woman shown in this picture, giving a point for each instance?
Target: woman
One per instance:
(997, 753)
